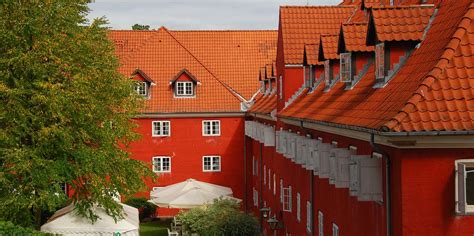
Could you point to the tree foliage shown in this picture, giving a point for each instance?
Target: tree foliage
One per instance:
(140, 27)
(65, 113)
(8, 228)
(145, 209)
(221, 218)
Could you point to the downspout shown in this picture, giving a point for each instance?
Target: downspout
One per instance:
(388, 206)
(245, 172)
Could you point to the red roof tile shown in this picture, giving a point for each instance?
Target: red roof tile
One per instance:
(303, 25)
(264, 104)
(311, 52)
(354, 37)
(400, 23)
(328, 47)
(374, 3)
(433, 91)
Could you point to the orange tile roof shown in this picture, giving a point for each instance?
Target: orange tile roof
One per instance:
(373, 3)
(354, 37)
(400, 23)
(303, 25)
(224, 74)
(311, 52)
(433, 91)
(264, 104)
(328, 47)
(233, 56)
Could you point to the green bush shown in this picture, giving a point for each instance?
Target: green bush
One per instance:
(221, 218)
(145, 208)
(8, 228)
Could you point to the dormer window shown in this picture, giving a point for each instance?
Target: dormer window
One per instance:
(327, 72)
(346, 67)
(141, 88)
(184, 89)
(142, 84)
(380, 61)
(308, 76)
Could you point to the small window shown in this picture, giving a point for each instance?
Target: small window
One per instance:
(265, 174)
(287, 199)
(141, 88)
(160, 128)
(309, 217)
(307, 76)
(161, 164)
(211, 163)
(335, 230)
(274, 185)
(465, 186)
(346, 67)
(281, 191)
(211, 128)
(281, 86)
(255, 197)
(269, 179)
(320, 223)
(185, 89)
(327, 72)
(380, 61)
(298, 207)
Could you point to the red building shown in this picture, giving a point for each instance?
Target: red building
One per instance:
(373, 116)
(196, 85)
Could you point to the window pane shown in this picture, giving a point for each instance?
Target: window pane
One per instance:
(166, 128)
(216, 127)
(157, 164)
(189, 88)
(470, 186)
(166, 164)
(156, 128)
(207, 163)
(216, 163)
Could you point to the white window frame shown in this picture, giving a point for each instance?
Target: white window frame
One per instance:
(346, 67)
(309, 217)
(287, 199)
(298, 207)
(160, 132)
(212, 131)
(335, 229)
(462, 207)
(141, 87)
(320, 223)
(212, 163)
(380, 61)
(187, 89)
(161, 164)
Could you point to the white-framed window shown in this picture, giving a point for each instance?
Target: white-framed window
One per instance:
(298, 207)
(320, 223)
(211, 163)
(346, 67)
(335, 230)
(274, 185)
(184, 89)
(141, 88)
(211, 127)
(287, 199)
(161, 164)
(161, 128)
(380, 61)
(309, 216)
(327, 72)
(265, 175)
(308, 81)
(255, 197)
(464, 186)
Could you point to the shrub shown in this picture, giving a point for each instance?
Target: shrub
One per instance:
(221, 218)
(145, 208)
(8, 228)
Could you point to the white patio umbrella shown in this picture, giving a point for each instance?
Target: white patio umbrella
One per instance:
(67, 222)
(189, 194)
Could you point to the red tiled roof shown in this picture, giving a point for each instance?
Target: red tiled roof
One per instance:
(354, 37)
(233, 56)
(311, 52)
(225, 63)
(433, 91)
(373, 3)
(303, 25)
(264, 104)
(328, 47)
(400, 23)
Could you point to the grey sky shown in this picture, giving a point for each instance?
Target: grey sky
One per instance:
(195, 14)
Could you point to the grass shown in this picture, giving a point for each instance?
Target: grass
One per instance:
(155, 228)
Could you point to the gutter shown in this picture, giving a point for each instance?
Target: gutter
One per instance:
(388, 190)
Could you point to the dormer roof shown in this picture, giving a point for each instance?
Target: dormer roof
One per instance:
(311, 53)
(143, 75)
(184, 71)
(398, 23)
(328, 47)
(352, 38)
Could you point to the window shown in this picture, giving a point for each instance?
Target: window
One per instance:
(309, 216)
(335, 230)
(327, 72)
(141, 88)
(254, 166)
(161, 164)
(307, 76)
(346, 67)
(160, 128)
(287, 199)
(281, 191)
(320, 223)
(465, 186)
(281, 86)
(265, 175)
(211, 128)
(298, 207)
(269, 179)
(380, 61)
(211, 163)
(255, 197)
(184, 89)
(274, 185)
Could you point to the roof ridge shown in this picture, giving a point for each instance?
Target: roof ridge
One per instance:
(443, 61)
(402, 6)
(225, 30)
(233, 92)
(320, 6)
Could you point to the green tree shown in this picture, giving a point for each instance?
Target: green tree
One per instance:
(140, 27)
(65, 114)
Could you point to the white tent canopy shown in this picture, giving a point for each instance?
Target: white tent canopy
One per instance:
(67, 222)
(189, 194)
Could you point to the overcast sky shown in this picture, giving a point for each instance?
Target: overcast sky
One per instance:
(195, 14)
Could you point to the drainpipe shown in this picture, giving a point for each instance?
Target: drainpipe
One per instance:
(245, 171)
(388, 206)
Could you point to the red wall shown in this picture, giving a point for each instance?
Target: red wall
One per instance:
(187, 146)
